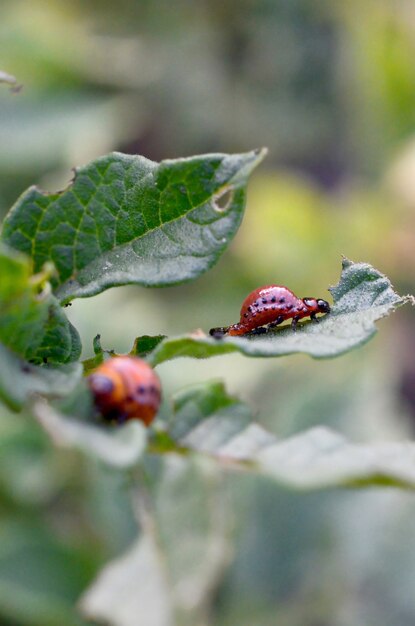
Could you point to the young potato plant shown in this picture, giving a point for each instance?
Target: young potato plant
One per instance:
(127, 220)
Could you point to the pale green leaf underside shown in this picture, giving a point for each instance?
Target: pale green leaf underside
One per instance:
(362, 296)
(322, 458)
(132, 590)
(125, 219)
(181, 553)
(119, 447)
(207, 420)
(19, 380)
(316, 459)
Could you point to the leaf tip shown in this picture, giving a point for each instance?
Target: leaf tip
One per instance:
(346, 262)
(260, 154)
(408, 299)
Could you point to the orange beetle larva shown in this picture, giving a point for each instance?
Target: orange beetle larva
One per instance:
(272, 305)
(125, 388)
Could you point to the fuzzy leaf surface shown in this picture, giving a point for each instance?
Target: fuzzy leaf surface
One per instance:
(168, 575)
(125, 219)
(207, 420)
(20, 380)
(182, 551)
(132, 590)
(362, 296)
(118, 447)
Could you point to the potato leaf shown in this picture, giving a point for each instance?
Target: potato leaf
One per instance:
(207, 422)
(32, 322)
(20, 380)
(169, 574)
(362, 296)
(125, 219)
(315, 459)
(118, 447)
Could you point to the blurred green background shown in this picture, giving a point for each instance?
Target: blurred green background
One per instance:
(329, 87)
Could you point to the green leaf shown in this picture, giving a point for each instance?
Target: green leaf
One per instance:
(208, 421)
(145, 344)
(20, 380)
(76, 345)
(125, 219)
(23, 304)
(321, 458)
(40, 577)
(195, 405)
(132, 590)
(61, 342)
(168, 575)
(119, 447)
(362, 296)
(32, 322)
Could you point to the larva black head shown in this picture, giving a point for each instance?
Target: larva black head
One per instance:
(323, 306)
(316, 306)
(217, 333)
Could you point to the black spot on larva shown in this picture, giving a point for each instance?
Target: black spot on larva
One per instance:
(245, 314)
(289, 307)
(282, 299)
(274, 308)
(273, 299)
(141, 389)
(264, 300)
(112, 414)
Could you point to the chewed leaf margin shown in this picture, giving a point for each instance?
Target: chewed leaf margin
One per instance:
(362, 296)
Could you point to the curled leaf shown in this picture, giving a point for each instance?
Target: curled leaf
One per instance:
(362, 296)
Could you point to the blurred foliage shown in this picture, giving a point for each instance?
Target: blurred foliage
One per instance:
(329, 87)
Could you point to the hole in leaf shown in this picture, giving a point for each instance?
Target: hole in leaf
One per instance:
(223, 199)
